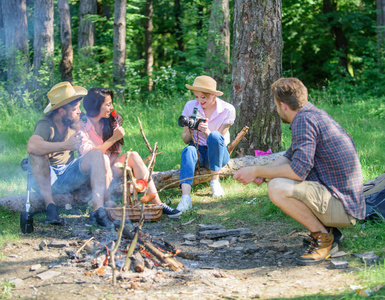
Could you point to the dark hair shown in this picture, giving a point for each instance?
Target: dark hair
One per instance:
(290, 91)
(92, 103)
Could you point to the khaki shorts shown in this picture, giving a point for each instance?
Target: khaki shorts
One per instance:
(329, 210)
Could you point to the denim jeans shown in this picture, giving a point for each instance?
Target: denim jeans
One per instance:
(69, 177)
(214, 156)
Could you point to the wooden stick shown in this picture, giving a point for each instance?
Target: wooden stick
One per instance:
(123, 219)
(196, 176)
(144, 137)
(148, 158)
(238, 138)
(82, 247)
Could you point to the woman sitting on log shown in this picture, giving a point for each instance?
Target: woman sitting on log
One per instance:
(103, 131)
(206, 122)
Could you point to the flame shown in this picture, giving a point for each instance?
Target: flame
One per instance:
(176, 252)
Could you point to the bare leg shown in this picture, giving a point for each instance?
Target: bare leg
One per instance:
(215, 175)
(139, 169)
(94, 163)
(281, 194)
(186, 189)
(41, 174)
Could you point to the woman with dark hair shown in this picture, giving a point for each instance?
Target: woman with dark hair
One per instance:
(104, 132)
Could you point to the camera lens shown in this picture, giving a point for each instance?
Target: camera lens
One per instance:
(182, 121)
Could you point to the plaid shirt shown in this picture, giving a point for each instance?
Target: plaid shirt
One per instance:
(323, 151)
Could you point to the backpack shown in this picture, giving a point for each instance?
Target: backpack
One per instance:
(374, 192)
(375, 205)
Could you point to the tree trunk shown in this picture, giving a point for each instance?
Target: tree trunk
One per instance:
(43, 43)
(86, 32)
(381, 26)
(149, 54)
(119, 60)
(162, 180)
(256, 64)
(67, 55)
(218, 45)
(15, 38)
(340, 40)
(3, 61)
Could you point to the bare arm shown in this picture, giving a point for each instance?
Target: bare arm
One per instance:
(116, 136)
(38, 146)
(186, 135)
(257, 174)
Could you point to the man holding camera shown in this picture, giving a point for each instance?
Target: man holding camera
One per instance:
(318, 181)
(52, 159)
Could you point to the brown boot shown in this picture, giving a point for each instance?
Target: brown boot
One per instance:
(319, 250)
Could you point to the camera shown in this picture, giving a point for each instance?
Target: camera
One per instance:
(192, 122)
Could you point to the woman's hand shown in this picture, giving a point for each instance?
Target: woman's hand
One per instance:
(204, 127)
(118, 133)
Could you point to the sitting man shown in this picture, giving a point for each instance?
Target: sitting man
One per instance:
(318, 181)
(52, 159)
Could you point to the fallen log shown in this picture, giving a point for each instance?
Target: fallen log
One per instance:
(168, 179)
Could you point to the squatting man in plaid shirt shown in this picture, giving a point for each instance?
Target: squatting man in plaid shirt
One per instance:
(318, 181)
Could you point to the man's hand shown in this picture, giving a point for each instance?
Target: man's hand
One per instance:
(247, 175)
(74, 142)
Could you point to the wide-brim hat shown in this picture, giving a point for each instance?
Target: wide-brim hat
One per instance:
(63, 93)
(205, 84)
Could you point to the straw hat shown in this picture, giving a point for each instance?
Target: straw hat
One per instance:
(63, 93)
(205, 84)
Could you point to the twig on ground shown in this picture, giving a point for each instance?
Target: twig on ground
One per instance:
(82, 247)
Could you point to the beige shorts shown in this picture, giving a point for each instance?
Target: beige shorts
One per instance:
(329, 210)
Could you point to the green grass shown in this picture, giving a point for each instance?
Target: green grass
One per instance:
(243, 206)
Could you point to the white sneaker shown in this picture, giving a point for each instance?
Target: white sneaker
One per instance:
(216, 188)
(185, 203)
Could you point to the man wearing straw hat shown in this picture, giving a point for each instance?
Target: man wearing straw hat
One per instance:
(52, 159)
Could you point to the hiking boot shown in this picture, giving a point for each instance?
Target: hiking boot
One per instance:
(52, 215)
(216, 188)
(185, 203)
(99, 218)
(170, 212)
(337, 234)
(319, 250)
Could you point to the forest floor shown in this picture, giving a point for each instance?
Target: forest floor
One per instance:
(247, 267)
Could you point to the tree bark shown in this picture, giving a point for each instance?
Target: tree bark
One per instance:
(149, 54)
(381, 26)
(43, 43)
(162, 180)
(15, 38)
(218, 44)
(86, 32)
(3, 61)
(67, 55)
(119, 59)
(256, 64)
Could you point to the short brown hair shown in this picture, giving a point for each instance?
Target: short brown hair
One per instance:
(290, 91)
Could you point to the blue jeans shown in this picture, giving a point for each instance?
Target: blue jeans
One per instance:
(69, 177)
(214, 156)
